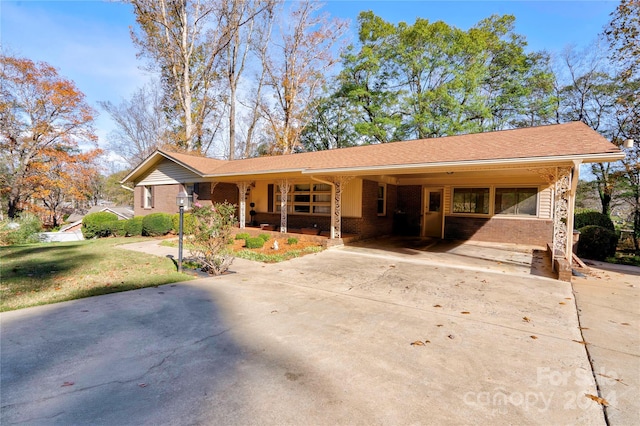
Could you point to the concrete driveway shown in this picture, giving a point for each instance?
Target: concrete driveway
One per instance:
(346, 336)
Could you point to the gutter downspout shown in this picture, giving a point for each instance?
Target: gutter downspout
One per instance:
(332, 231)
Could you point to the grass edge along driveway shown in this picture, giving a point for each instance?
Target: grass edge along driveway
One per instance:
(40, 274)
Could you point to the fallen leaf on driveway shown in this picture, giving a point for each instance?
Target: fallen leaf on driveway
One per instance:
(417, 343)
(67, 384)
(597, 399)
(465, 313)
(561, 303)
(437, 306)
(534, 337)
(624, 323)
(582, 342)
(451, 336)
(526, 319)
(439, 325)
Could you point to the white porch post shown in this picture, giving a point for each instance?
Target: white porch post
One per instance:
(561, 210)
(242, 193)
(284, 192)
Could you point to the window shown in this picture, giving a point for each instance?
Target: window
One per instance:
(382, 199)
(307, 198)
(516, 201)
(471, 200)
(147, 201)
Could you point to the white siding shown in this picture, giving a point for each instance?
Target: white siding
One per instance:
(167, 173)
(352, 199)
(545, 202)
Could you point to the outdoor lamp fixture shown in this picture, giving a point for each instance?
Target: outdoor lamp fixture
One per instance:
(628, 143)
(182, 200)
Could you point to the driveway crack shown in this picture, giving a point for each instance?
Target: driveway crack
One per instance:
(588, 353)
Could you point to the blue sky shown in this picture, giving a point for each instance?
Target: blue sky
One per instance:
(89, 42)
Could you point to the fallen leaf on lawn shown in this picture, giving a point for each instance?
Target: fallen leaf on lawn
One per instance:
(534, 337)
(67, 384)
(465, 313)
(526, 319)
(582, 342)
(417, 343)
(437, 306)
(597, 399)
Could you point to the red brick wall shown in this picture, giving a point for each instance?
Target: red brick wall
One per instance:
(226, 192)
(499, 230)
(164, 199)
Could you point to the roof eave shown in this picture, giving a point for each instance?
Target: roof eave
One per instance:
(142, 167)
(584, 158)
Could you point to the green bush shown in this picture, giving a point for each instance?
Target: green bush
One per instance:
(597, 242)
(188, 223)
(96, 225)
(254, 243)
(156, 224)
(591, 217)
(265, 237)
(242, 236)
(23, 231)
(292, 240)
(133, 226)
(118, 228)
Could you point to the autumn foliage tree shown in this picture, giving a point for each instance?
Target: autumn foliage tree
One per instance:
(43, 120)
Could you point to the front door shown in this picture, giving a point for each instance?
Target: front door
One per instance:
(432, 213)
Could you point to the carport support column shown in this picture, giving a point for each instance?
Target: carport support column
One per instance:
(284, 192)
(242, 195)
(339, 183)
(562, 209)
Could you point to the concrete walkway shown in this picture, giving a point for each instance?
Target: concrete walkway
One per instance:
(346, 336)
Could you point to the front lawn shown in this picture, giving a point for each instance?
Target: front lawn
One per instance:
(39, 274)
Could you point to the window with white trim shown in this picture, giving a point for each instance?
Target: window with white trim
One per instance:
(471, 200)
(305, 198)
(516, 201)
(147, 196)
(382, 199)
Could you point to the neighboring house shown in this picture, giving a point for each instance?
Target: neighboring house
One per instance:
(75, 220)
(511, 186)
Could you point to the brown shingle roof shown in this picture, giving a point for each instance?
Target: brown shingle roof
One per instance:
(571, 139)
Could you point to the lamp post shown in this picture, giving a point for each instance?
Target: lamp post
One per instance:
(182, 200)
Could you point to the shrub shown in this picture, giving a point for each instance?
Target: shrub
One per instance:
(188, 223)
(264, 237)
(597, 242)
(242, 236)
(118, 228)
(212, 237)
(96, 225)
(156, 224)
(253, 243)
(23, 231)
(292, 240)
(133, 226)
(591, 217)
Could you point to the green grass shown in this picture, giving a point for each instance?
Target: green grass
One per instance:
(624, 259)
(39, 274)
(274, 258)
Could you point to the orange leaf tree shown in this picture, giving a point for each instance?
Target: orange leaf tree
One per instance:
(43, 120)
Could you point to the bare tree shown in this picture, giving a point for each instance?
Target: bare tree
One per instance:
(185, 40)
(140, 124)
(296, 67)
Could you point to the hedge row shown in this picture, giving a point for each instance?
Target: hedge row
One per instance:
(105, 224)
